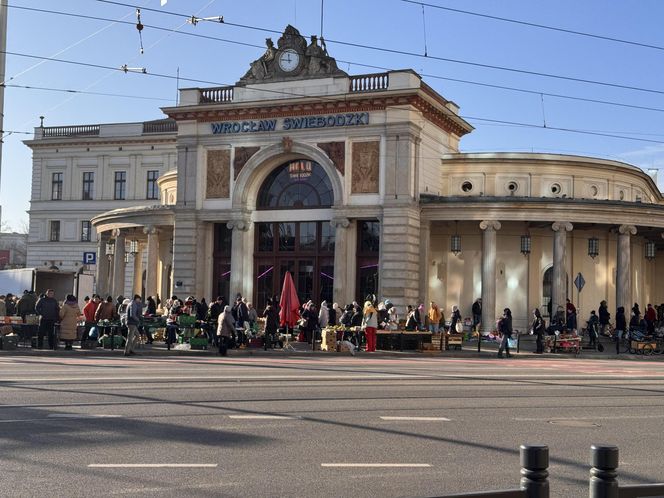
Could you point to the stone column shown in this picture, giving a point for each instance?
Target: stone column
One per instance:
(623, 267)
(559, 284)
(340, 293)
(119, 263)
(103, 265)
(152, 264)
(239, 249)
(425, 265)
(489, 228)
(138, 272)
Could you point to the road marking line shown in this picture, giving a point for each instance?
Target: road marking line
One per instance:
(151, 465)
(263, 417)
(81, 415)
(417, 419)
(377, 465)
(539, 419)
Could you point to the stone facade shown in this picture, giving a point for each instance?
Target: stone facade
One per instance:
(385, 149)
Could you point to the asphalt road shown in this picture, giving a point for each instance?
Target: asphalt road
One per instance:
(280, 425)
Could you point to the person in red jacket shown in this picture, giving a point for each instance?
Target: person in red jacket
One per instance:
(651, 317)
(89, 311)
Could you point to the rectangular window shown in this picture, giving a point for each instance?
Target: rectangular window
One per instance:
(308, 236)
(55, 231)
(152, 191)
(265, 237)
(56, 187)
(286, 236)
(88, 185)
(120, 185)
(86, 231)
(328, 235)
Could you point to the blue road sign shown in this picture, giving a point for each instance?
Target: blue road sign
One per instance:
(89, 258)
(579, 282)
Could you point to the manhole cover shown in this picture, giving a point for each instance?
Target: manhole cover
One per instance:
(574, 423)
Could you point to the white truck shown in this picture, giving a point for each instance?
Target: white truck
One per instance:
(62, 282)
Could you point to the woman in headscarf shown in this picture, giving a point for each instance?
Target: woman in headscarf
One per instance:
(370, 323)
(456, 318)
(225, 328)
(69, 314)
(271, 325)
(323, 315)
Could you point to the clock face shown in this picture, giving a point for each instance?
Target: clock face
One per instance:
(289, 60)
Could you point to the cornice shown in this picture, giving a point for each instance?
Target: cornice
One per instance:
(87, 142)
(437, 116)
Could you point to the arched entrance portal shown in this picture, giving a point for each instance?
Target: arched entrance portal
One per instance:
(547, 291)
(282, 243)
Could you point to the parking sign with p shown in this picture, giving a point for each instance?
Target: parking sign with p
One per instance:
(89, 258)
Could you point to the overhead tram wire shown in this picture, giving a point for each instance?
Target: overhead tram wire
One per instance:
(428, 57)
(84, 92)
(167, 76)
(252, 45)
(540, 26)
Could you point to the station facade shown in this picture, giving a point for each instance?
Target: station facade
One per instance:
(354, 184)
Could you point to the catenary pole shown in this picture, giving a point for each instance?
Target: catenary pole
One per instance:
(3, 60)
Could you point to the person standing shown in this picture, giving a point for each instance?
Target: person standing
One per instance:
(323, 315)
(271, 325)
(593, 330)
(538, 328)
(604, 317)
(68, 315)
(10, 305)
(225, 329)
(49, 312)
(134, 314)
(89, 311)
(650, 317)
(621, 326)
(435, 316)
(477, 314)
(370, 324)
(26, 305)
(505, 328)
(455, 319)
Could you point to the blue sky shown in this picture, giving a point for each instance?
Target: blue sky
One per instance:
(392, 24)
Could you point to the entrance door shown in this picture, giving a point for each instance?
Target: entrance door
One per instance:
(304, 249)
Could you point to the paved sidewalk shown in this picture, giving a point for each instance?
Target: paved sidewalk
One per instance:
(469, 350)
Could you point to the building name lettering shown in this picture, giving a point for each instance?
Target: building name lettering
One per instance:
(349, 119)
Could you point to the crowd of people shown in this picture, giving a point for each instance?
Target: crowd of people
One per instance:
(229, 325)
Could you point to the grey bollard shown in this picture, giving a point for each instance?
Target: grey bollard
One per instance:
(534, 470)
(604, 461)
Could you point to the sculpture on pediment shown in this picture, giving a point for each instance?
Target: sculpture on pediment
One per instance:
(293, 58)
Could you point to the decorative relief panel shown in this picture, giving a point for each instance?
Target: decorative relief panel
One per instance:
(365, 166)
(242, 155)
(336, 151)
(218, 174)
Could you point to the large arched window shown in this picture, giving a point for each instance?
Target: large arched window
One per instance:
(299, 184)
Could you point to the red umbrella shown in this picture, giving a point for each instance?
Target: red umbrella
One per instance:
(289, 303)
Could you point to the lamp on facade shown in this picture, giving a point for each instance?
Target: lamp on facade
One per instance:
(651, 250)
(593, 247)
(455, 241)
(110, 250)
(132, 247)
(526, 244)
(455, 244)
(127, 256)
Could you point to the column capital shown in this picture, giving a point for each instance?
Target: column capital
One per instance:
(562, 226)
(150, 230)
(345, 223)
(490, 225)
(240, 225)
(118, 233)
(627, 230)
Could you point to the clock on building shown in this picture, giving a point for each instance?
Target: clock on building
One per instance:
(289, 60)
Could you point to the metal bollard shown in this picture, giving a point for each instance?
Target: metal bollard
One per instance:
(604, 461)
(534, 470)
